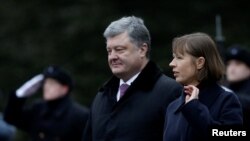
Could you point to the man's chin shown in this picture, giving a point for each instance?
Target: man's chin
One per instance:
(117, 73)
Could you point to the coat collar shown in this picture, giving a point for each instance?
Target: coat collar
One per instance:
(209, 91)
(145, 80)
(241, 87)
(57, 108)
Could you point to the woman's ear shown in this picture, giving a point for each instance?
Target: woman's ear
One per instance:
(200, 62)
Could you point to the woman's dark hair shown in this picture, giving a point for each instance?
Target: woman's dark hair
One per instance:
(201, 45)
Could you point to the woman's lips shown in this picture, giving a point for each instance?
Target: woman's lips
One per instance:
(175, 73)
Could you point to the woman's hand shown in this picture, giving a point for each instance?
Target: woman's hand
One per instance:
(192, 92)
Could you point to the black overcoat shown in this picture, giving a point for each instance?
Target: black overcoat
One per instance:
(139, 114)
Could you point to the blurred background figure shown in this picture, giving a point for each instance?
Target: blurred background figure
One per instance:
(7, 131)
(238, 77)
(55, 118)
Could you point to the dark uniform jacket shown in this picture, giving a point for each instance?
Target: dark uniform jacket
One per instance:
(195, 120)
(138, 115)
(58, 120)
(242, 89)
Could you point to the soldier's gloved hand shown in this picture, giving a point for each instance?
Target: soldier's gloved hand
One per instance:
(30, 87)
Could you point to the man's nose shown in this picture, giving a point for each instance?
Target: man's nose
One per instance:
(112, 55)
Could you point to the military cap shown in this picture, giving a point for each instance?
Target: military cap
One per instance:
(58, 74)
(238, 52)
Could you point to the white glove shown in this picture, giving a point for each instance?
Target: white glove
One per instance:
(30, 87)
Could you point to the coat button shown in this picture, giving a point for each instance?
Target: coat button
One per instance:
(41, 135)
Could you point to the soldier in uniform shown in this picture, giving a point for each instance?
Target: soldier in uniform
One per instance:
(238, 77)
(54, 118)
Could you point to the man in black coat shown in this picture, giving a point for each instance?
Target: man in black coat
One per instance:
(131, 105)
(55, 118)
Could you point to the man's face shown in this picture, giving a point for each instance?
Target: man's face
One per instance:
(52, 89)
(125, 58)
(237, 71)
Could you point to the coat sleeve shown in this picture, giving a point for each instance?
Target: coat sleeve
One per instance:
(15, 114)
(79, 118)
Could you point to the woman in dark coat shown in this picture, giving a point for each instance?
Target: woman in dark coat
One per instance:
(204, 104)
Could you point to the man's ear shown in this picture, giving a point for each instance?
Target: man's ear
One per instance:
(144, 49)
(200, 62)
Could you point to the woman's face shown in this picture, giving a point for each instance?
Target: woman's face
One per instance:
(184, 69)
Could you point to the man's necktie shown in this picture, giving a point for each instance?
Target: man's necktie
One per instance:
(123, 89)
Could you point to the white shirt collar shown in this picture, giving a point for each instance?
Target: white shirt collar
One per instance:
(132, 79)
